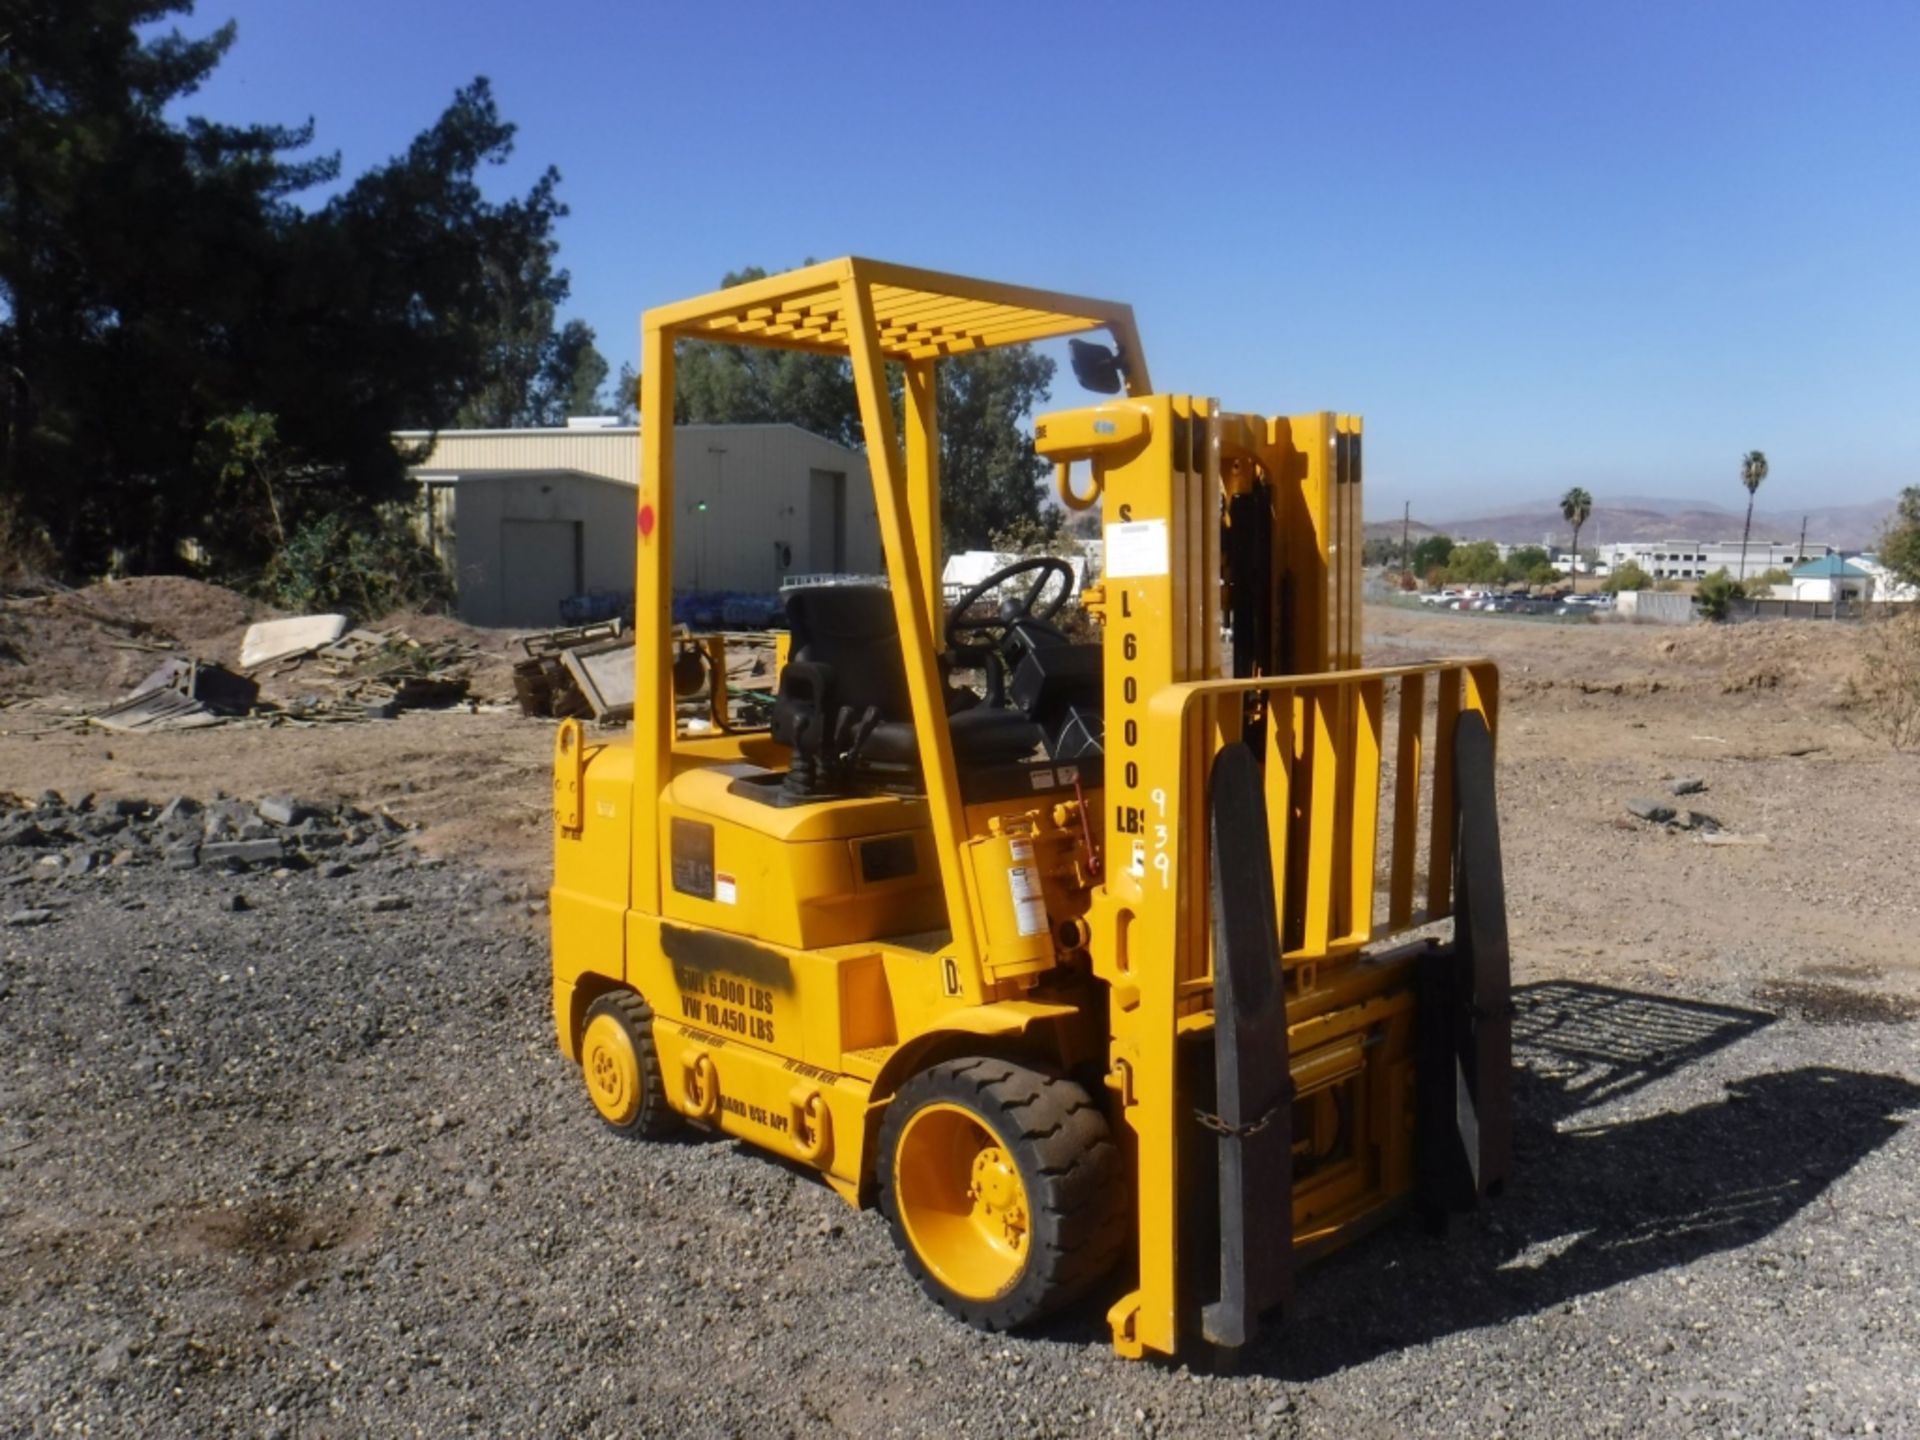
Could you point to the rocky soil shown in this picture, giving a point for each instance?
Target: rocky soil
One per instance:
(286, 1146)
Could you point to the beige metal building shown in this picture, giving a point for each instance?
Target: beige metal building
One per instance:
(525, 518)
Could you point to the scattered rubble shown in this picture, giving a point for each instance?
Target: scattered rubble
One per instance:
(1658, 812)
(543, 683)
(59, 838)
(282, 810)
(368, 674)
(381, 672)
(181, 694)
(1687, 785)
(588, 671)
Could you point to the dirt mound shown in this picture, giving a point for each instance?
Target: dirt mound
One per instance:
(1764, 655)
(101, 640)
(189, 611)
(98, 642)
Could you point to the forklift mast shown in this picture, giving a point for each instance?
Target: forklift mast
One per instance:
(1245, 753)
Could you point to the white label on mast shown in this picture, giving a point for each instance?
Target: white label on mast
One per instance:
(1136, 548)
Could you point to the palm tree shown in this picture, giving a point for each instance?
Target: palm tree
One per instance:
(1753, 469)
(1576, 505)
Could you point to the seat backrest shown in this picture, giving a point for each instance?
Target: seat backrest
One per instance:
(851, 628)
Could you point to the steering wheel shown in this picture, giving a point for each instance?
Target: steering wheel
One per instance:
(1013, 613)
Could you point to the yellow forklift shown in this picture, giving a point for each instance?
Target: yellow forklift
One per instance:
(1118, 969)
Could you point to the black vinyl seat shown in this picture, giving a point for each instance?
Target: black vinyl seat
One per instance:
(843, 696)
(981, 736)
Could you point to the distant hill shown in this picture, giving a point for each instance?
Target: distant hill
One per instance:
(1637, 517)
(1417, 530)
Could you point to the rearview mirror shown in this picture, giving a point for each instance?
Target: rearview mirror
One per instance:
(1096, 367)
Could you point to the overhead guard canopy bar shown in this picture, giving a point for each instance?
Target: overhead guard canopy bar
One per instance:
(874, 315)
(916, 314)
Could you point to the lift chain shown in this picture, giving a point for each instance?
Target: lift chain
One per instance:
(1209, 1121)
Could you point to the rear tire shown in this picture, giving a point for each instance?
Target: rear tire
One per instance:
(621, 1068)
(1003, 1189)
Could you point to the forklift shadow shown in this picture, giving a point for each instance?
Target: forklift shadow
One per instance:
(1591, 1203)
(1595, 1203)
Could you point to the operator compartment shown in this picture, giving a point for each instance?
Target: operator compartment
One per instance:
(844, 706)
(838, 848)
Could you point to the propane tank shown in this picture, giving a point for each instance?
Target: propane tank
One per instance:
(1006, 877)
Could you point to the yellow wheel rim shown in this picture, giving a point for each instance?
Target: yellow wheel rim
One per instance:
(961, 1201)
(611, 1069)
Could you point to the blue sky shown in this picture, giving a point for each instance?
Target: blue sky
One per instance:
(1534, 244)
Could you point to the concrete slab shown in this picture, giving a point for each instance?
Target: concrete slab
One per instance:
(277, 639)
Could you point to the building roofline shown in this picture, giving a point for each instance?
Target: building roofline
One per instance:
(1830, 567)
(1708, 544)
(519, 430)
(497, 472)
(627, 430)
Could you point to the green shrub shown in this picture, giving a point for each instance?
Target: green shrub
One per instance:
(1627, 576)
(1523, 560)
(365, 563)
(1476, 563)
(1715, 592)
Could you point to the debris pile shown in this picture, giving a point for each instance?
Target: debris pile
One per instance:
(1673, 818)
(181, 694)
(364, 674)
(54, 838)
(382, 672)
(545, 683)
(751, 678)
(1656, 812)
(588, 671)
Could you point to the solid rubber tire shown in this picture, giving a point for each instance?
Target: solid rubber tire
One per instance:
(654, 1119)
(1067, 1160)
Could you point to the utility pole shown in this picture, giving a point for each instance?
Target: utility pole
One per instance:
(1800, 552)
(1406, 553)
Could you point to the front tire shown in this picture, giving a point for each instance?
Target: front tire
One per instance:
(1002, 1187)
(621, 1068)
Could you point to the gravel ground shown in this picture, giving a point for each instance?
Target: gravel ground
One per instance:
(313, 1166)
